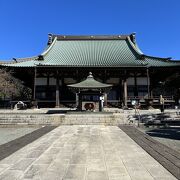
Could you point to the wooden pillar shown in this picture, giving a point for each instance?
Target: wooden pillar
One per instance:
(105, 94)
(148, 82)
(105, 99)
(57, 90)
(135, 85)
(80, 102)
(34, 88)
(77, 100)
(125, 92)
(100, 103)
(119, 91)
(47, 87)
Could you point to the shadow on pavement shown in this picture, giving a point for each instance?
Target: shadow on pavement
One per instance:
(170, 133)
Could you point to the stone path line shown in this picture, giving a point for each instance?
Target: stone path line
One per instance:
(166, 156)
(83, 152)
(16, 144)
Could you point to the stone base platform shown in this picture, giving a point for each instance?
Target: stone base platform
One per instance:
(62, 119)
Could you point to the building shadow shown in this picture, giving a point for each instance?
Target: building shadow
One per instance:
(170, 133)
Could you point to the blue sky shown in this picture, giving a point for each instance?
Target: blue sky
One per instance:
(25, 24)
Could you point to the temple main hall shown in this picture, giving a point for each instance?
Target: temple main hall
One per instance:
(114, 60)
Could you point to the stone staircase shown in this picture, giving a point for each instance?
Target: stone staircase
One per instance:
(62, 119)
(25, 119)
(89, 119)
(155, 119)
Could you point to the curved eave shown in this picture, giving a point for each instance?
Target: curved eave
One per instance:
(25, 59)
(101, 90)
(160, 62)
(21, 64)
(161, 66)
(29, 61)
(136, 49)
(139, 52)
(158, 58)
(92, 66)
(90, 83)
(145, 63)
(50, 47)
(153, 61)
(89, 87)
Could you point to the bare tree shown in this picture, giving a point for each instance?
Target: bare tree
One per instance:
(10, 87)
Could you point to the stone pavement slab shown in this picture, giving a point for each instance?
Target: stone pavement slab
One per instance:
(12, 146)
(166, 156)
(10, 133)
(83, 152)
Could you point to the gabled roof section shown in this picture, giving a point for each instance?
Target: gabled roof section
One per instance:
(94, 51)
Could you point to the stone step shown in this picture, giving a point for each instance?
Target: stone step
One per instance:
(20, 117)
(67, 119)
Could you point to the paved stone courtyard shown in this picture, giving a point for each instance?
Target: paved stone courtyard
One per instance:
(10, 133)
(83, 152)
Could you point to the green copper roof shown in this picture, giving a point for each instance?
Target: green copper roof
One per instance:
(90, 83)
(90, 51)
(160, 62)
(22, 64)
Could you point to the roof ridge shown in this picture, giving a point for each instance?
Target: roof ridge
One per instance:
(89, 37)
